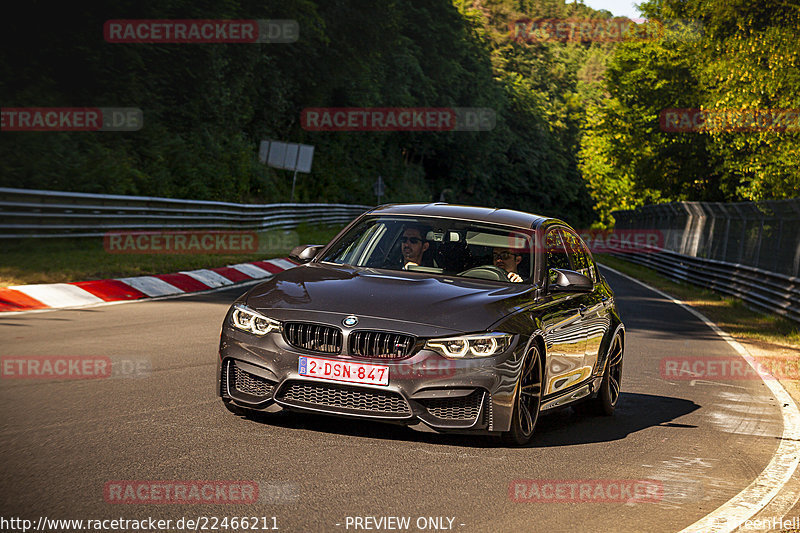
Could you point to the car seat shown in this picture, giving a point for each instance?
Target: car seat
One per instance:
(454, 256)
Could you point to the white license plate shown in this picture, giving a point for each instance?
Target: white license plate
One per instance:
(344, 371)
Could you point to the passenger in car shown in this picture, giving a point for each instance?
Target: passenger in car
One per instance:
(508, 259)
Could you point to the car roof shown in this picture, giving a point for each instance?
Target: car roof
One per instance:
(508, 217)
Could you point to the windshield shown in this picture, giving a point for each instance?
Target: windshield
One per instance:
(437, 246)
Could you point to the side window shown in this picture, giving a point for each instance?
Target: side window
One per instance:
(578, 256)
(555, 253)
(592, 267)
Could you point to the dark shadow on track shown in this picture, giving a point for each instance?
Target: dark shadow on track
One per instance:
(635, 412)
(564, 427)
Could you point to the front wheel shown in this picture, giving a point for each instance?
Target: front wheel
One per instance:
(527, 401)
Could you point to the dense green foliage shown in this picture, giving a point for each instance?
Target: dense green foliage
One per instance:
(577, 132)
(207, 106)
(721, 55)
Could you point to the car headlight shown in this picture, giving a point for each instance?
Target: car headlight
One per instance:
(465, 346)
(248, 320)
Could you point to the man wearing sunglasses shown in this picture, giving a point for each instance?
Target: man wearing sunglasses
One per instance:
(413, 245)
(508, 260)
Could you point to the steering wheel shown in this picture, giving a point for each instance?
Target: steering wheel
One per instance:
(489, 272)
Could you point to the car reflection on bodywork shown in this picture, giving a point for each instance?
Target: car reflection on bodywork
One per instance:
(448, 341)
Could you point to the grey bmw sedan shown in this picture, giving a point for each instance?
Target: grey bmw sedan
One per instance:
(441, 317)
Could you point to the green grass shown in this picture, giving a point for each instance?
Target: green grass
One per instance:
(731, 314)
(79, 259)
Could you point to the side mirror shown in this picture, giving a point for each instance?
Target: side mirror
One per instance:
(305, 252)
(568, 281)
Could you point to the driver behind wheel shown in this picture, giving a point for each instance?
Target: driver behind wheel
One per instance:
(413, 245)
(508, 259)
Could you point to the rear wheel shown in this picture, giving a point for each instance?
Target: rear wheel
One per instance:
(605, 403)
(527, 401)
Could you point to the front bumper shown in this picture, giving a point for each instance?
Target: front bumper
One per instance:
(425, 391)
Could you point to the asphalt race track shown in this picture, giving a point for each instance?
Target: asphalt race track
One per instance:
(157, 418)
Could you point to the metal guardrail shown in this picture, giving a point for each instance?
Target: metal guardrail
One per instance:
(763, 234)
(30, 213)
(770, 291)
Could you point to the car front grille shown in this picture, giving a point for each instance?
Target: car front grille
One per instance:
(313, 337)
(463, 408)
(380, 344)
(344, 399)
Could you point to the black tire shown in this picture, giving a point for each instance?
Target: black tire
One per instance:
(527, 401)
(605, 403)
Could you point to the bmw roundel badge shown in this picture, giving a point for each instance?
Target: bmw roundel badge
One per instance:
(350, 321)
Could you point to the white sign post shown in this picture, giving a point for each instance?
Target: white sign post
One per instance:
(287, 156)
(379, 188)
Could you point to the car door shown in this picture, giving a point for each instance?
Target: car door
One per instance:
(562, 323)
(595, 317)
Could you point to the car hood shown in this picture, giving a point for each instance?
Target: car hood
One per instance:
(445, 303)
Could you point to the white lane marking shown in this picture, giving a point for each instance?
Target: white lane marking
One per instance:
(209, 278)
(695, 382)
(151, 286)
(685, 480)
(58, 294)
(767, 486)
(251, 270)
(281, 263)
